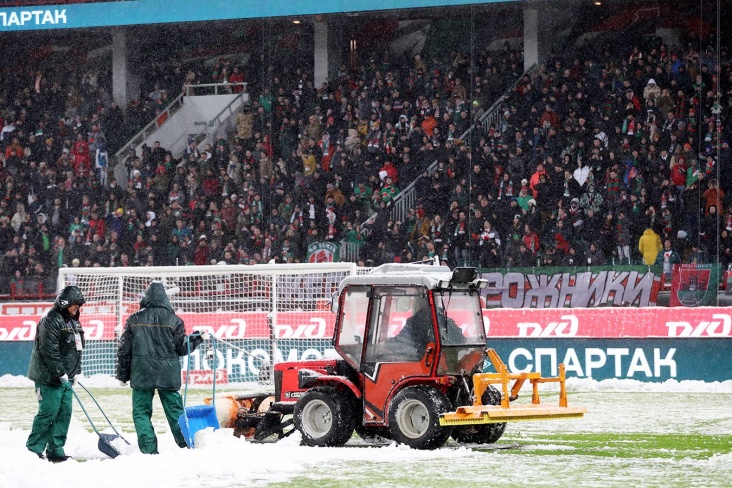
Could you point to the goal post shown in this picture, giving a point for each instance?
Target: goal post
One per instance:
(260, 314)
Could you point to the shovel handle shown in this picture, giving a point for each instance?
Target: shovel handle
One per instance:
(100, 409)
(84, 409)
(188, 371)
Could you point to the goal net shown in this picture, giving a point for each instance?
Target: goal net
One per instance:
(259, 315)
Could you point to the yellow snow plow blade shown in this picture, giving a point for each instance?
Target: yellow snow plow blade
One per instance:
(492, 414)
(487, 414)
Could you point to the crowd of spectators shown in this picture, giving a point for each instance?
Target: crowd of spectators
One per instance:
(613, 158)
(591, 153)
(304, 164)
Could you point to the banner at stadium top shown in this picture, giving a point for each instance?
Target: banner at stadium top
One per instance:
(137, 12)
(594, 323)
(573, 287)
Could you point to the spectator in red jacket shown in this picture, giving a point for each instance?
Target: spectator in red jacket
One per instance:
(391, 171)
(96, 227)
(236, 77)
(203, 251)
(678, 174)
(549, 118)
(531, 240)
(80, 152)
(535, 178)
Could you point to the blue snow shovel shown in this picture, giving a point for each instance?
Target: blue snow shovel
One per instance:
(198, 417)
(105, 440)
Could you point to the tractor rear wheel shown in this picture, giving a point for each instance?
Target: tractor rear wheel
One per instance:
(414, 417)
(482, 433)
(324, 417)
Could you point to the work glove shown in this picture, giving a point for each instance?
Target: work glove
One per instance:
(64, 380)
(202, 334)
(197, 337)
(195, 340)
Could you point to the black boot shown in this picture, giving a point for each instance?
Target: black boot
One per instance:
(58, 459)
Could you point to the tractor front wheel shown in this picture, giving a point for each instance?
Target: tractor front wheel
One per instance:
(323, 415)
(414, 417)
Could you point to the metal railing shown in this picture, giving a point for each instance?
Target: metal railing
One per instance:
(153, 126)
(225, 114)
(213, 89)
(493, 114)
(350, 252)
(407, 198)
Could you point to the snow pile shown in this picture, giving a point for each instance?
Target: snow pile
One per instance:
(120, 444)
(10, 381)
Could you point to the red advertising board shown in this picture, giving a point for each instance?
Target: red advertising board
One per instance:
(607, 323)
(248, 325)
(205, 376)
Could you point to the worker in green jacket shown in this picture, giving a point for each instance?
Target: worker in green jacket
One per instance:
(148, 356)
(55, 361)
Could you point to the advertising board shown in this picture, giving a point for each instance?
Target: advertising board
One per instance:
(646, 344)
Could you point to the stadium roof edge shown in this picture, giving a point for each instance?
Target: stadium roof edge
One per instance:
(140, 12)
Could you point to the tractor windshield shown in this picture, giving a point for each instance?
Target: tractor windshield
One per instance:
(460, 318)
(462, 333)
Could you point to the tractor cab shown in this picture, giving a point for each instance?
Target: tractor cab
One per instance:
(411, 317)
(402, 324)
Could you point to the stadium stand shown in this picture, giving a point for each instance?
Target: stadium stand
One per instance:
(569, 163)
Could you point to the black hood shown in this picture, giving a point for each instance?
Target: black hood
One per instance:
(155, 296)
(71, 295)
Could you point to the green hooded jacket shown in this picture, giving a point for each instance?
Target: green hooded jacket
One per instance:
(154, 339)
(54, 349)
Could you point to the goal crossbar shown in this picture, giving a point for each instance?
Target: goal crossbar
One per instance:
(261, 314)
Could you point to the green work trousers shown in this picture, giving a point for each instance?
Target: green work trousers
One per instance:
(51, 424)
(142, 409)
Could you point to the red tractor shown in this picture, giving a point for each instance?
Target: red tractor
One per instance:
(412, 348)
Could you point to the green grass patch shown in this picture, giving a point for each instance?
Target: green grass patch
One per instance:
(625, 445)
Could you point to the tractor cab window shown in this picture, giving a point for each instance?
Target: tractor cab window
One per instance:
(353, 324)
(459, 318)
(401, 324)
(462, 334)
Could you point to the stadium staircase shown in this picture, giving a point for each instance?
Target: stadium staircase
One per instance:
(196, 114)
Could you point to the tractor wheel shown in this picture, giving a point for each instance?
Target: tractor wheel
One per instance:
(372, 433)
(414, 417)
(324, 417)
(482, 433)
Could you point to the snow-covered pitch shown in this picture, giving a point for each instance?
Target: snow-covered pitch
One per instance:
(546, 453)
